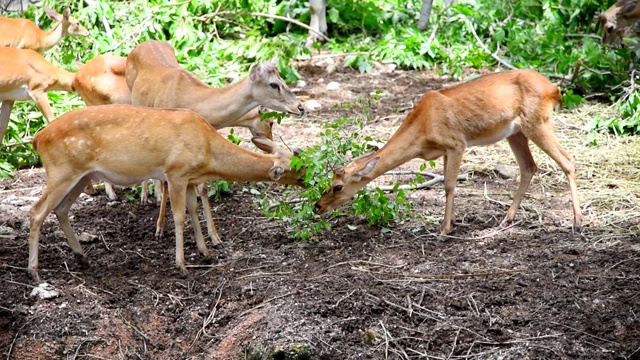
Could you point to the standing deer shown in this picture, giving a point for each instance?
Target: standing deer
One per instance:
(157, 80)
(620, 20)
(24, 34)
(26, 75)
(124, 144)
(514, 105)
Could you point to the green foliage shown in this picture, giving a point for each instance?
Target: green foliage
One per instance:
(340, 140)
(629, 121)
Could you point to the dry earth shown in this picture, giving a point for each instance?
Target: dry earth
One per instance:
(532, 291)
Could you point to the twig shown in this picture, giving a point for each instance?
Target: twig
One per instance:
(16, 144)
(437, 179)
(266, 302)
(16, 337)
(208, 319)
(584, 333)
(386, 340)
(455, 341)
(205, 17)
(486, 49)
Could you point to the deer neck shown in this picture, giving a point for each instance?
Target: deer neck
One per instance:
(51, 37)
(403, 146)
(234, 163)
(221, 107)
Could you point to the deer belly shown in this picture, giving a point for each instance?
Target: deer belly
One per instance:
(126, 179)
(19, 93)
(492, 137)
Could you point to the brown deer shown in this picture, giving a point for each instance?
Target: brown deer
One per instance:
(24, 34)
(514, 105)
(616, 22)
(26, 75)
(124, 144)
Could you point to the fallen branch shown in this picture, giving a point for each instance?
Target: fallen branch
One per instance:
(437, 179)
(486, 49)
(206, 17)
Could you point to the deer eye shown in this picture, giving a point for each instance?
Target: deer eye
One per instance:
(275, 86)
(337, 188)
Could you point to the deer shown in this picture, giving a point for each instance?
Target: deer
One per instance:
(620, 17)
(26, 75)
(24, 34)
(515, 105)
(156, 80)
(125, 144)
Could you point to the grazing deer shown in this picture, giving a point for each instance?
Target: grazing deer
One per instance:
(124, 144)
(514, 105)
(157, 80)
(24, 34)
(26, 75)
(619, 19)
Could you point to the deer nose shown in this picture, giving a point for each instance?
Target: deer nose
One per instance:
(317, 207)
(609, 29)
(301, 109)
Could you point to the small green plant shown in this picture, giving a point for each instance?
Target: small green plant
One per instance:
(340, 140)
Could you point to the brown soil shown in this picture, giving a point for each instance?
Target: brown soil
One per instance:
(533, 291)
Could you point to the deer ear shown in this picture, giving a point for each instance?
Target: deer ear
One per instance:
(368, 168)
(263, 144)
(297, 151)
(276, 172)
(52, 14)
(338, 170)
(66, 14)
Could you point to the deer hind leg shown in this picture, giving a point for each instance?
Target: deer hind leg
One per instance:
(58, 189)
(5, 111)
(62, 213)
(177, 196)
(544, 137)
(520, 146)
(192, 207)
(42, 101)
(144, 192)
(452, 161)
(203, 190)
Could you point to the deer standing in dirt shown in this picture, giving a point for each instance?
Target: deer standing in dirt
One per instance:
(24, 34)
(26, 75)
(620, 20)
(157, 80)
(514, 105)
(124, 144)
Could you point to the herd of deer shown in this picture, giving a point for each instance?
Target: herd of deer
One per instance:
(148, 118)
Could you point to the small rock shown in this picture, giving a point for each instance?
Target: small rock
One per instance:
(333, 86)
(504, 171)
(45, 291)
(331, 68)
(312, 105)
(86, 237)
(301, 84)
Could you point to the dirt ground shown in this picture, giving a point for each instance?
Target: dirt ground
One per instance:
(532, 291)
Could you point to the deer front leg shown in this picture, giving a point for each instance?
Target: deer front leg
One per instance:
(42, 101)
(177, 196)
(162, 214)
(453, 158)
(5, 111)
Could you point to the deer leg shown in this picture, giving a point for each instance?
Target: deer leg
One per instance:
(451, 170)
(110, 192)
(192, 207)
(547, 141)
(5, 111)
(54, 194)
(520, 146)
(157, 189)
(42, 101)
(62, 213)
(144, 192)
(211, 226)
(177, 196)
(163, 211)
